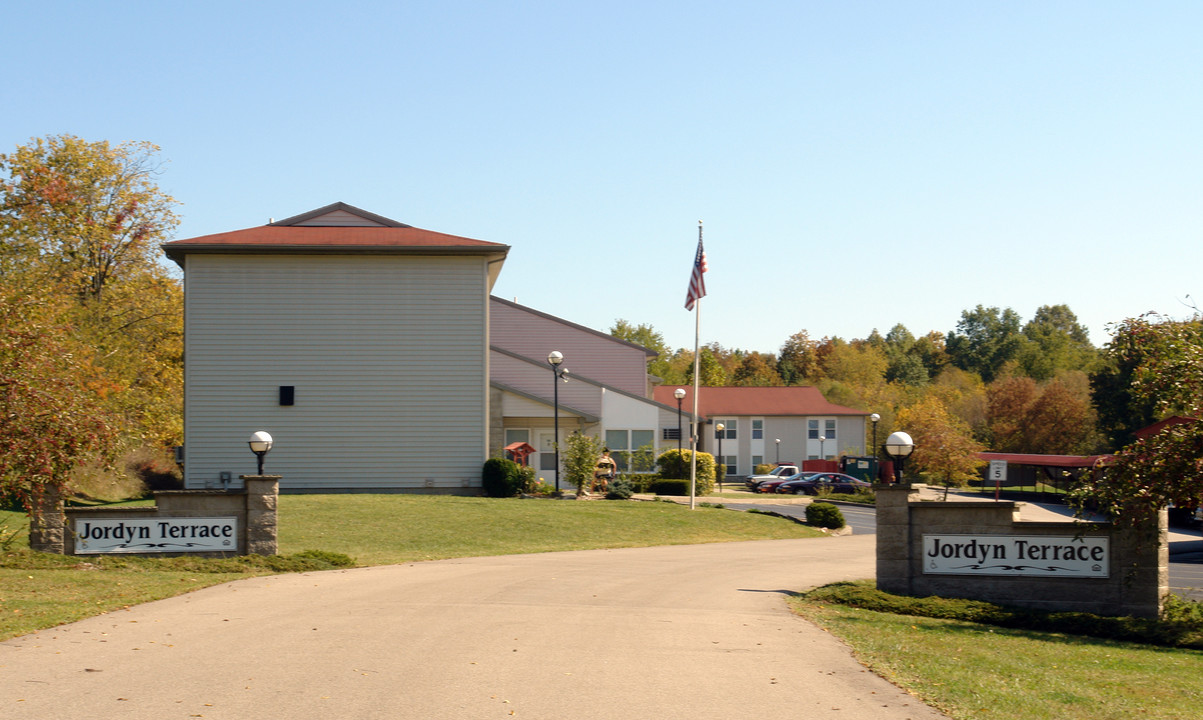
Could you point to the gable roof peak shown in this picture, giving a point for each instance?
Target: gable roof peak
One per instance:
(336, 215)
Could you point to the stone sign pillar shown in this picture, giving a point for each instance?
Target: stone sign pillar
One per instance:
(894, 537)
(262, 493)
(46, 521)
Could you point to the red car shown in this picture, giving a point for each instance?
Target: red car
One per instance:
(768, 486)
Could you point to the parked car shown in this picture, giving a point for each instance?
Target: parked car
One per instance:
(768, 486)
(782, 470)
(816, 482)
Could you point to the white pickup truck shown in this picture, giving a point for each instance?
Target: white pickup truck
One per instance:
(781, 471)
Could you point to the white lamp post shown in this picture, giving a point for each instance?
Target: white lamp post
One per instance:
(679, 394)
(822, 450)
(260, 443)
(719, 428)
(554, 359)
(778, 442)
(873, 419)
(899, 446)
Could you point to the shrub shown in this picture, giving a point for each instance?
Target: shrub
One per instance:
(669, 487)
(824, 515)
(675, 465)
(621, 488)
(762, 469)
(154, 469)
(501, 478)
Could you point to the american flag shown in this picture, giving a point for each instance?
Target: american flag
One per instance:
(697, 283)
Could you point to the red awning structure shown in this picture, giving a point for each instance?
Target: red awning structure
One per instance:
(519, 452)
(1061, 461)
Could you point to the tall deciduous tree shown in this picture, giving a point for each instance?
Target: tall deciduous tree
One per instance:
(51, 420)
(798, 360)
(91, 210)
(756, 370)
(647, 336)
(1167, 467)
(944, 446)
(985, 340)
(1057, 342)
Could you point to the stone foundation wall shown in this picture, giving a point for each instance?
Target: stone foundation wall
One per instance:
(1138, 575)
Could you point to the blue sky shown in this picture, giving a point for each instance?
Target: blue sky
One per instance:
(857, 164)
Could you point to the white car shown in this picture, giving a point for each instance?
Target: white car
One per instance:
(781, 471)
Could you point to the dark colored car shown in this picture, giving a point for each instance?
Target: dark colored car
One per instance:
(768, 486)
(813, 485)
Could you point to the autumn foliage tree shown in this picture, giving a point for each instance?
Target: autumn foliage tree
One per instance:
(90, 210)
(1166, 467)
(944, 446)
(51, 420)
(92, 321)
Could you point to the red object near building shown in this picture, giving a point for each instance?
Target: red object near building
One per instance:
(519, 452)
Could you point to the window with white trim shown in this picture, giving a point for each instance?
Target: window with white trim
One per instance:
(729, 427)
(758, 429)
(632, 450)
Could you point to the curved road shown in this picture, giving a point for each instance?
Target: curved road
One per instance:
(683, 632)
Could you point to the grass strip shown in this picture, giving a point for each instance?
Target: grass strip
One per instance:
(974, 671)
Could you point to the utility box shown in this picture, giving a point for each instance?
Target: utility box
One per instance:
(864, 468)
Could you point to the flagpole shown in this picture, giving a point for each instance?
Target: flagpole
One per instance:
(697, 358)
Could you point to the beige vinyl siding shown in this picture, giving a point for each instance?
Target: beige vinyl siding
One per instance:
(590, 353)
(339, 218)
(388, 355)
(534, 379)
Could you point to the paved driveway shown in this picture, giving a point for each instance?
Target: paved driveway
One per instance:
(688, 632)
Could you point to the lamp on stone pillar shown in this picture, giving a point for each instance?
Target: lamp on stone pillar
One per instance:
(899, 446)
(260, 443)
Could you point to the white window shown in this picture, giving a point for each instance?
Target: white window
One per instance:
(728, 432)
(758, 429)
(829, 428)
(757, 460)
(812, 429)
(513, 436)
(632, 450)
(729, 462)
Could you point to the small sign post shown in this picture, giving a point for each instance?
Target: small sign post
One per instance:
(998, 473)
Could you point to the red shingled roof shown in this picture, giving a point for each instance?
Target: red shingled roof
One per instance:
(744, 401)
(386, 239)
(327, 230)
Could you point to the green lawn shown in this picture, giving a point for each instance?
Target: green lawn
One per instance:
(980, 672)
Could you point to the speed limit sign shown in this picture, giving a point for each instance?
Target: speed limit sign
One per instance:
(998, 473)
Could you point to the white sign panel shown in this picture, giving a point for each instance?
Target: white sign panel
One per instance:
(1083, 557)
(155, 535)
(998, 470)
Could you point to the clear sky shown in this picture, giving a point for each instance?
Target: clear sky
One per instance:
(857, 164)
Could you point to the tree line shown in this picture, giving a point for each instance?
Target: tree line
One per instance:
(993, 383)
